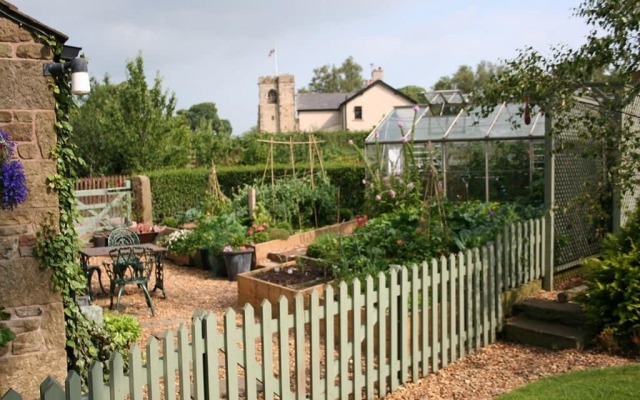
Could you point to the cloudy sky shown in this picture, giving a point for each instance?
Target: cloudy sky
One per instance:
(215, 50)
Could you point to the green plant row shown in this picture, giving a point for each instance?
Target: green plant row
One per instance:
(176, 191)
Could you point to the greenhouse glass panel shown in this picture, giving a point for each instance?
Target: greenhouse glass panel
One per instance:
(465, 173)
(516, 171)
(389, 130)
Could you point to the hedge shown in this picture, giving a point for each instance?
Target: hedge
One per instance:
(175, 191)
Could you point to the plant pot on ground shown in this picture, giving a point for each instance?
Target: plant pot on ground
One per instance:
(237, 261)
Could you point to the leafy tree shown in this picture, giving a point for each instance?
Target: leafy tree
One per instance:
(130, 126)
(210, 145)
(555, 83)
(467, 80)
(207, 112)
(415, 92)
(332, 79)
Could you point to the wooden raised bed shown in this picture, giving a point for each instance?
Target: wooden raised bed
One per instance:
(253, 290)
(262, 250)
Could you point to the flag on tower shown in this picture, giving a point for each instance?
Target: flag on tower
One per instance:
(271, 52)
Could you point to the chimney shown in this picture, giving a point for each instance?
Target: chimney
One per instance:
(377, 74)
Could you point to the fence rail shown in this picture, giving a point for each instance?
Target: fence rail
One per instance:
(357, 341)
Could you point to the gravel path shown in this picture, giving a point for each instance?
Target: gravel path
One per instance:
(494, 370)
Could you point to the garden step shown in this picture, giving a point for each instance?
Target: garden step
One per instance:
(570, 294)
(551, 311)
(287, 255)
(551, 335)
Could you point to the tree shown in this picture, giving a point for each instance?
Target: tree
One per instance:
(130, 126)
(209, 113)
(332, 79)
(467, 80)
(415, 92)
(554, 83)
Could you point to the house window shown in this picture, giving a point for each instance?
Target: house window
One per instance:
(357, 111)
(272, 97)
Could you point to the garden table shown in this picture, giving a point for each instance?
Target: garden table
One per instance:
(86, 253)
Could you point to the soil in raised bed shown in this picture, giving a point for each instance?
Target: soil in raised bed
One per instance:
(296, 277)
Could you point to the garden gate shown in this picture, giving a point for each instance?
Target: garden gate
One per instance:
(104, 206)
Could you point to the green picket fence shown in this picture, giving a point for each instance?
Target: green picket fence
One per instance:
(356, 341)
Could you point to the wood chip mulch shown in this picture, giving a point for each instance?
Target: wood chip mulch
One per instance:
(485, 374)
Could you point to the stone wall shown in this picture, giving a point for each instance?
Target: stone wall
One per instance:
(27, 114)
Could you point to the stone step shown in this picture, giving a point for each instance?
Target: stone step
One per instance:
(549, 335)
(287, 255)
(551, 311)
(570, 294)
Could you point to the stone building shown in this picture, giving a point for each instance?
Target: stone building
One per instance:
(280, 110)
(27, 113)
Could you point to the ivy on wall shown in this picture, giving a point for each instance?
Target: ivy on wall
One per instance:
(57, 243)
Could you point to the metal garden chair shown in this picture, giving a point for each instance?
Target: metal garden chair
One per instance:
(129, 266)
(123, 237)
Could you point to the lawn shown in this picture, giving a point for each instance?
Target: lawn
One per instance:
(606, 383)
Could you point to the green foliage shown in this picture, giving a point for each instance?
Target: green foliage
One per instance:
(415, 92)
(556, 84)
(123, 329)
(331, 79)
(131, 126)
(119, 332)
(412, 234)
(467, 80)
(206, 112)
(407, 183)
(6, 335)
(176, 191)
(612, 297)
(57, 244)
(297, 202)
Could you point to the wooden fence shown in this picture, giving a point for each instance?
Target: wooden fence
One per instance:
(355, 342)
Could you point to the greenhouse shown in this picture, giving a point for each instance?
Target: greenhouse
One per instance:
(507, 156)
(488, 158)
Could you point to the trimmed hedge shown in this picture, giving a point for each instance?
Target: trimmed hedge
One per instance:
(175, 191)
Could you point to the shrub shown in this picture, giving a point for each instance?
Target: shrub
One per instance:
(612, 298)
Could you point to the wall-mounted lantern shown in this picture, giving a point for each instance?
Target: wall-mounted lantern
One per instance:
(79, 68)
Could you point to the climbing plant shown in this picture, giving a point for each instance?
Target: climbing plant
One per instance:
(57, 243)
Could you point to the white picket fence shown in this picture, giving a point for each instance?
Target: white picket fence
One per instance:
(354, 342)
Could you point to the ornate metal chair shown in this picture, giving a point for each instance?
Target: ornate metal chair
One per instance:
(123, 237)
(129, 266)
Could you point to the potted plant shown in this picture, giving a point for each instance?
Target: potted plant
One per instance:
(146, 233)
(179, 246)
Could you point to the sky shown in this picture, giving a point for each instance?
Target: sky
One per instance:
(215, 50)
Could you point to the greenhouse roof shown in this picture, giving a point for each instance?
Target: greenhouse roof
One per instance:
(463, 126)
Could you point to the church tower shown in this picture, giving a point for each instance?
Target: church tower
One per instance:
(276, 106)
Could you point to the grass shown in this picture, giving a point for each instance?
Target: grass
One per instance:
(607, 383)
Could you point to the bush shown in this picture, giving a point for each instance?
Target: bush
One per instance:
(117, 334)
(612, 298)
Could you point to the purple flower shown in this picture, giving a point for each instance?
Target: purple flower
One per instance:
(404, 139)
(410, 185)
(400, 124)
(392, 194)
(12, 185)
(378, 197)
(416, 108)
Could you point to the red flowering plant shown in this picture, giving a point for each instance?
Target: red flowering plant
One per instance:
(13, 187)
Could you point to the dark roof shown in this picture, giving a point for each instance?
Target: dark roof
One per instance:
(10, 11)
(333, 101)
(379, 82)
(321, 101)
